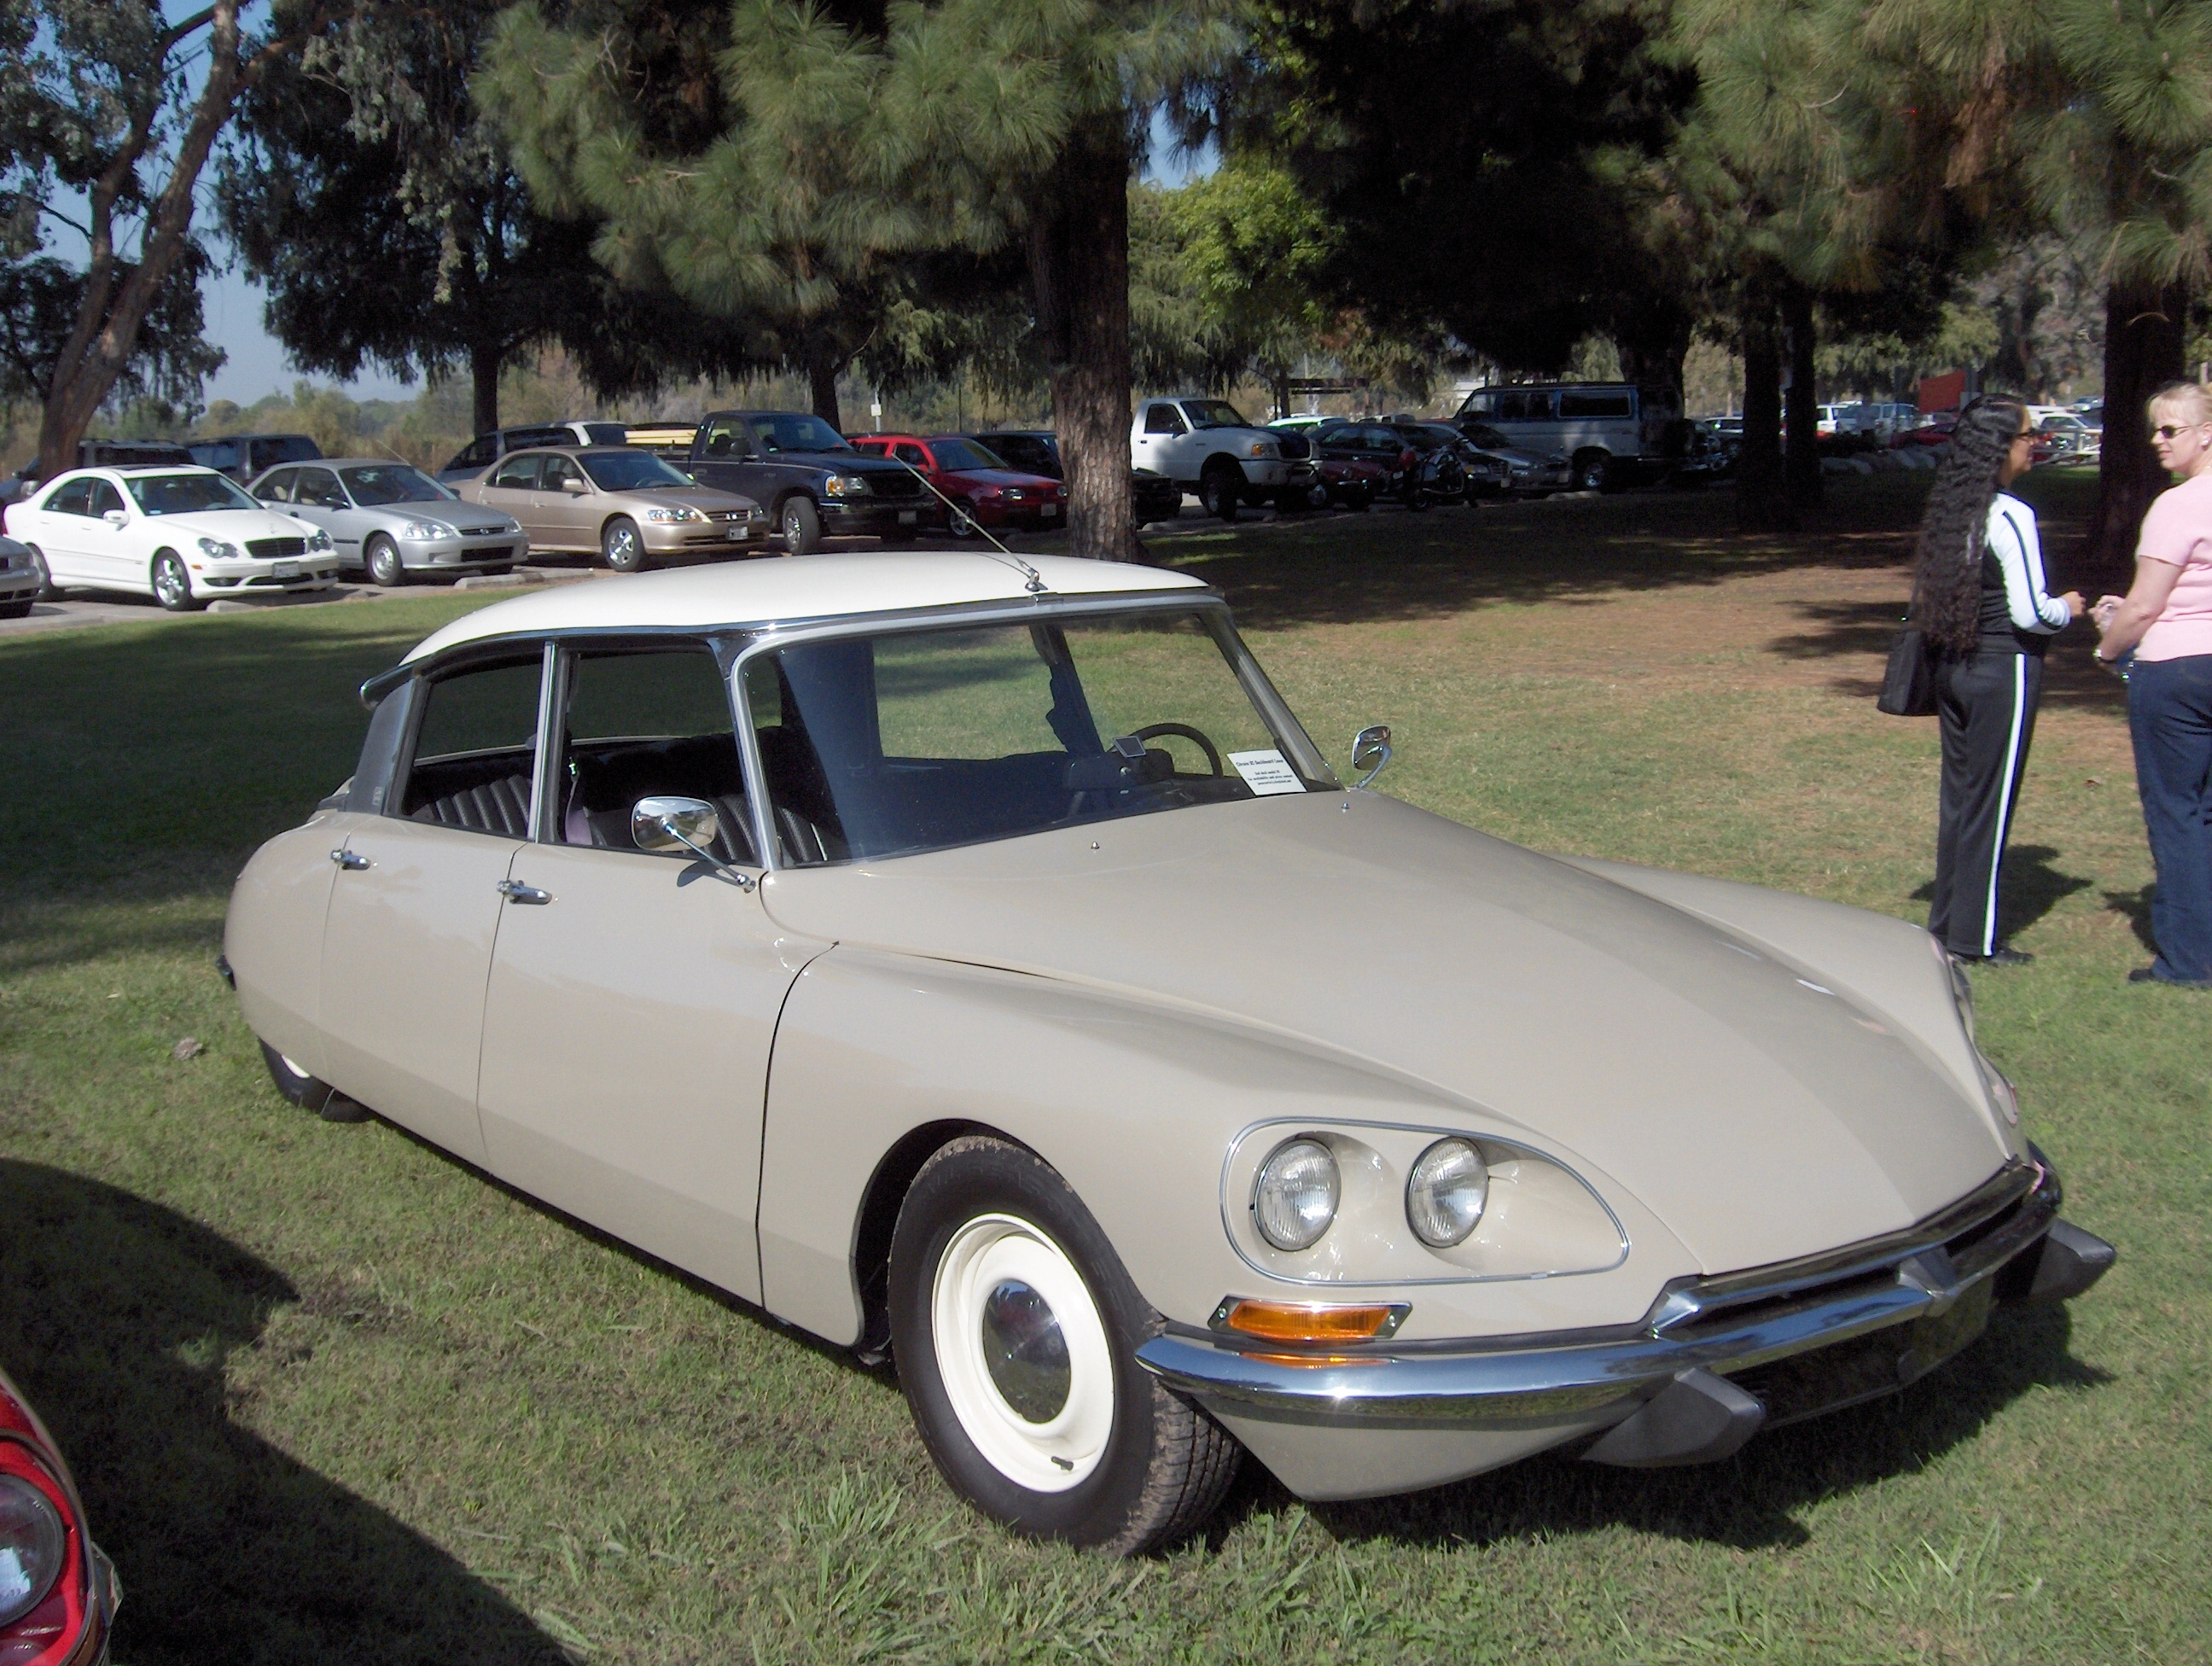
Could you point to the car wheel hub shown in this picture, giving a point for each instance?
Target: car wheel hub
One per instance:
(1022, 1352)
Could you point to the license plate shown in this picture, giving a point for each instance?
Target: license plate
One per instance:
(286, 569)
(907, 517)
(1049, 510)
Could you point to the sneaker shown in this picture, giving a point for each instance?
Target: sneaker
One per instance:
(2002, 956)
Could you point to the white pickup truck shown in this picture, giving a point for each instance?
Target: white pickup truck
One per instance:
(1207, 447)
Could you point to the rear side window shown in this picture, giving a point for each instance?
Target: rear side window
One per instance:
(604, 434)
(73, 498)
(518, 474)
(284, 448)
(1614, 402)
(475, 762)
(480, 452)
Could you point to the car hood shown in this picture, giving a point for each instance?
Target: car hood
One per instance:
(1757, 1107)
(237, 527)
(454, 513)
(705, 499)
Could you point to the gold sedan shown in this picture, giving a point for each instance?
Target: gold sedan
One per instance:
(627, 507)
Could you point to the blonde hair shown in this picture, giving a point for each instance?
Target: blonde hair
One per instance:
(2189, 402)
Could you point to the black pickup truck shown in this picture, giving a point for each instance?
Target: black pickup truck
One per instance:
(813, 485)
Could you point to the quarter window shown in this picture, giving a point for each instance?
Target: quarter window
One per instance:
(1614, 402)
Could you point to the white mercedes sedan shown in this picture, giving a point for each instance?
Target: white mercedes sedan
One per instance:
(183, 536)
(972, 961)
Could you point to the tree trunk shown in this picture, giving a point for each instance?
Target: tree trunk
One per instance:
(1078, 252)
(823, 364)
(1652, 344)
(1762, 504)
(2144, 323)
(105, 334)
(484, 364)
(1802, 465)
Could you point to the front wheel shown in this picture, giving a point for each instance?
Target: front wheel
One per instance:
(309, 1092)
(172, 585)
(1593, 471)
(798, 523)
(1016, 1329)
(385, 570)
(1219, 494)
(621, 547)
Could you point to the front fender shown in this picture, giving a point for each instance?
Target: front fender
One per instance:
(1135, 1107)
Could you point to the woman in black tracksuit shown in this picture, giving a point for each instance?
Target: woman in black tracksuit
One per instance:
(1978, 594)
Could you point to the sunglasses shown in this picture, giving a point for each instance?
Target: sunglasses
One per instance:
(2175, 430)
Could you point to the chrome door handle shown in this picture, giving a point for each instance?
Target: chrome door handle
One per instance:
(515, 891)
(351, 861)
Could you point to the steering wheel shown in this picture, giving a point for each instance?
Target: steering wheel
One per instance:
(1213, 753)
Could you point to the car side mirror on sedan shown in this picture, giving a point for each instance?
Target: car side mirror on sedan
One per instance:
(1370, 750)
(574, 487)
(668, 826)
(116, 518)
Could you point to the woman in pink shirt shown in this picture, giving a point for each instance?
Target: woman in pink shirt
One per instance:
(2166, 618)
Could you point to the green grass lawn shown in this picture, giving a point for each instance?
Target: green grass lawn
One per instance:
(332, 1397)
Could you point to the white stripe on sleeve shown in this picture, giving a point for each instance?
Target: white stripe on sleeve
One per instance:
(2012, 535)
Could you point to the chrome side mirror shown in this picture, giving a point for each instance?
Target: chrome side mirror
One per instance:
(1370, 750)
(665, 826)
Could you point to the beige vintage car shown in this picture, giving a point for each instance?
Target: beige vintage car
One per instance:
(621, 504)
(972, 960)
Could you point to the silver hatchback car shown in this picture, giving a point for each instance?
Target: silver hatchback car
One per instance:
(394, 521)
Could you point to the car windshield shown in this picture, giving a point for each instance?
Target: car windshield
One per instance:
(1213, 413)
(795, 433)
(186, 493)
(631, 471)
(900, 742)
(963, 454)
(375, 484)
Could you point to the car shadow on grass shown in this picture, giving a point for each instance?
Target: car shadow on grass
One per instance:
(116, 1315)
(1748, 1502)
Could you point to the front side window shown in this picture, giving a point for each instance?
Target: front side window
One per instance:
(187, 494)
(376, 483)
(724, 437)
(910, 453)
(965, 454)
(648, 725)
(105, 500)
(558, 472)
(517, 474)
(277, 488)
(318, 490)
(475, 758)
(1162, 419)
(631, 471)
(223, 454)
(902, 742)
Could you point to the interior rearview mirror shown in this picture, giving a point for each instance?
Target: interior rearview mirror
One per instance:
(1370, 750)
(669, 826)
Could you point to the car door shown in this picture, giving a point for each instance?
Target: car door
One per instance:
(564, 504)
(1162, 440)
(512, 487)
(114, 558)
(633, 995)
(319, 499)
(61, 530)
(407, 944)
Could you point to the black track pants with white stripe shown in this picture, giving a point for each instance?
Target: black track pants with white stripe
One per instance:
(1985, 707)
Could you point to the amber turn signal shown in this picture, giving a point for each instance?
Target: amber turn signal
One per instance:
(1299, 1322)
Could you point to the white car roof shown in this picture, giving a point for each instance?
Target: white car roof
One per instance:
(752, 593)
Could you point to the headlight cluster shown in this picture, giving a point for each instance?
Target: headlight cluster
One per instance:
(1294, 1197)
(319, 541)
(420, 530)
(215, 550)
(844, 485)
(33, 1544)
(679, 513)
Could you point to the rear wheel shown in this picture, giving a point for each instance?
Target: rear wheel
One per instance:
(621, 547)
(381, 558)
(172, 585)
(1016, 1329)
(310, 1092)
(1593, 471)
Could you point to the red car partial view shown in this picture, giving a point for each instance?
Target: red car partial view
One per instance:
(982, 490)
(57, 1592)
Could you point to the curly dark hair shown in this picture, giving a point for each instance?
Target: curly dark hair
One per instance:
(1947, 583)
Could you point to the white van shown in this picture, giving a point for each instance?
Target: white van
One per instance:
(1610, 432)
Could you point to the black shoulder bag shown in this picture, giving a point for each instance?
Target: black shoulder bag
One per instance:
(1908, 686)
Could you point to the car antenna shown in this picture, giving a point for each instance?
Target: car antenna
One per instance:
(1033, 581)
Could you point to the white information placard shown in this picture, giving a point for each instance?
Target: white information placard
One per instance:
(1267, 772)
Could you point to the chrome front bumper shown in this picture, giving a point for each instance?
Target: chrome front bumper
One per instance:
(1881, 1313)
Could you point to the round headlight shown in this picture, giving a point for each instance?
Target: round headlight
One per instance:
(1294, 1200)
(33, 1545)
(1445, 1195)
